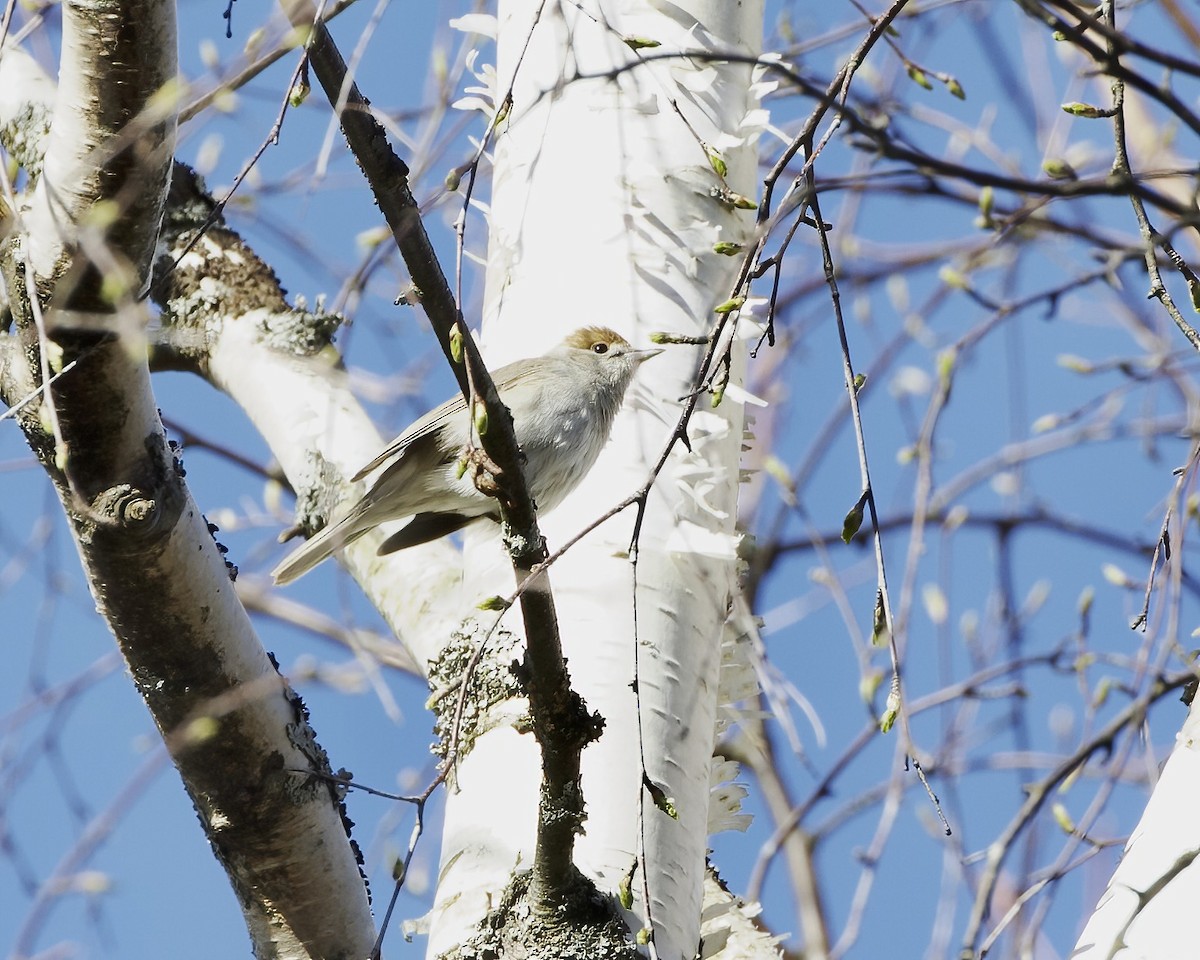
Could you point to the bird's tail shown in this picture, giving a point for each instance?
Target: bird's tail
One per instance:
(324, 544)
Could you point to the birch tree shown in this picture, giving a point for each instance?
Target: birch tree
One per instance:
(896, 258)
(646, 791)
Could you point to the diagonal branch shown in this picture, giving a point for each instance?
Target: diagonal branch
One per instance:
(560, 721)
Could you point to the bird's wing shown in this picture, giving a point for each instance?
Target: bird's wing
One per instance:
(504, 378)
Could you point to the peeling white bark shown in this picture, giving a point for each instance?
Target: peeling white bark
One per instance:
(602, 212)
(1145, 914)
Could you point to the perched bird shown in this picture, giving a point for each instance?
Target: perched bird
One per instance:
(563, 404)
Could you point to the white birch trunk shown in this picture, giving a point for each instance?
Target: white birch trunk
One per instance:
(1146, 912)
(235, 731)
(603, 212)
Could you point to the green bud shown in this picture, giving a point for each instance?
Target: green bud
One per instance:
(891, 711)
(495, 602)
(860, 381)
(661, 336)
(955, 88)
(201, 729)
(853, 520)
(868, 684)
(1077, 109)
(1046, 423)
(640, 43)
(987, 202)
(729, 306)
(481, 419)
(1062, 818)
(952, 278)
(717, 162)
(299, 93)
(54, 355)
(917, 76)
(453, 179)
(625, 888)
(456, 343)
(945, 367)
(660, 798)
(1057, 169)
(879, 625)
(727, 249)
(1068, 361)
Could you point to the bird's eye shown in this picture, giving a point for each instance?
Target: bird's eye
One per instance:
(600, 347)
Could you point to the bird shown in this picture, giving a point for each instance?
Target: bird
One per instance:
(563, 404)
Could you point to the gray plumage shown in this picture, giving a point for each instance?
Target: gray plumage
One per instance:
(563, 405)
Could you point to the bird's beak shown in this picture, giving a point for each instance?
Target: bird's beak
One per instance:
(641, 356)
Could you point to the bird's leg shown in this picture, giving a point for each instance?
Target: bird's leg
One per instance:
(486, 474)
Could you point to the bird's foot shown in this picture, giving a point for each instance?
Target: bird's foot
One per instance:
(485, 473)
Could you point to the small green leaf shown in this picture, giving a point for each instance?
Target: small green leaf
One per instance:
(727, 249)
(640, 43)
(1063, 818)
(955, 88)
(494, 602)
(729, 306)
(456, 343)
